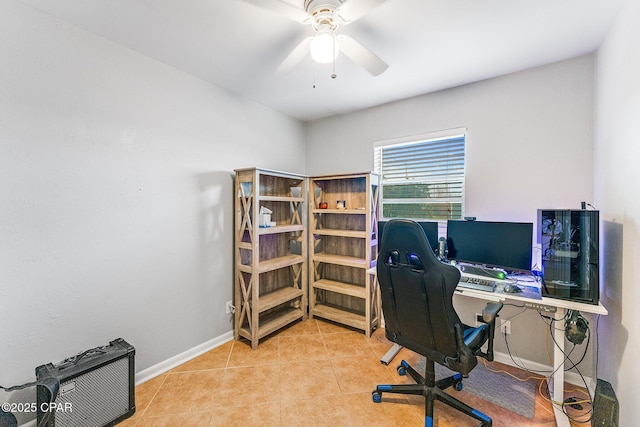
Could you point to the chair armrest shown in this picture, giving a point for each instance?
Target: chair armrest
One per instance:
(490, 312)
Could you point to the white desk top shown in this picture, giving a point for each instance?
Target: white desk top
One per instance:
(551, 302)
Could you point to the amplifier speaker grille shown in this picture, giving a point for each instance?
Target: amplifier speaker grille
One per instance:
(96, 387)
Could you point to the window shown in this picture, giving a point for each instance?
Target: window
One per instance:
(422, 177)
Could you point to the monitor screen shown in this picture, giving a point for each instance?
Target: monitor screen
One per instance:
(430, 229)
(495, 244)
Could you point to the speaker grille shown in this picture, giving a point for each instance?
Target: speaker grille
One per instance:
(97, 397)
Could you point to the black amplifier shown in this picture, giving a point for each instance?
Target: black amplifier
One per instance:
(97, 387)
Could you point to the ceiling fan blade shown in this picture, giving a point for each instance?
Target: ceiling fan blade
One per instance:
(285, 9)
(351, 10)
(361, 55)
(295, 57)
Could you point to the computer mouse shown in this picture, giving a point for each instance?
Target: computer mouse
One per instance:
(512, 289)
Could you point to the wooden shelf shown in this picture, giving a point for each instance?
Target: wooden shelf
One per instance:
(245, 245)
(340, 233)
(271, 322)
(280, 262)
(272, 264)
(275, 298)
(347, 261)
(280, 229)
(340, 315)
(341, 288)
(340, 211)
(282, 199)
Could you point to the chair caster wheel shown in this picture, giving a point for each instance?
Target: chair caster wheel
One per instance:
(458, 387)
(402, 370)
(376, 396)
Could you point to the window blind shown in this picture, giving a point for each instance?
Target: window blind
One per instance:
(422, 179)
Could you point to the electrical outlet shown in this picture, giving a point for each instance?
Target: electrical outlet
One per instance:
(505, 326)
(229, 308)
(479, 319)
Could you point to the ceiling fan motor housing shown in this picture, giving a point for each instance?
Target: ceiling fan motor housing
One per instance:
(322, 13)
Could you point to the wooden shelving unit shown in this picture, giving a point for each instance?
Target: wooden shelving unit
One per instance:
(271, 262)
(342, 246)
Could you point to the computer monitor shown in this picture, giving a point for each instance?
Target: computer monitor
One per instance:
(495, 244)
(430, 229)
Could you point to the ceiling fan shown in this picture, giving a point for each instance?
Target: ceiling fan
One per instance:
(325, 16)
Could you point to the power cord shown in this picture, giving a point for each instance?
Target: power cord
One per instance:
(571, 402)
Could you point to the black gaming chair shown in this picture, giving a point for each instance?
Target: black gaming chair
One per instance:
(417, 291)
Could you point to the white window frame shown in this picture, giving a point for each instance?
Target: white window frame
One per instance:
(455, 173)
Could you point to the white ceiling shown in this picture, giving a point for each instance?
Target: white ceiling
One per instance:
(429, 44)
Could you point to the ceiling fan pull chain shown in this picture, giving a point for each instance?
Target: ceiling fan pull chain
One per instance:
(335, 54)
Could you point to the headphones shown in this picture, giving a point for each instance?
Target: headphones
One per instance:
(576, 327)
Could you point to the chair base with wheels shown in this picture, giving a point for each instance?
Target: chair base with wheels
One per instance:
(432, 390)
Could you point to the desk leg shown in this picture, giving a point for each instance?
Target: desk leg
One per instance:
(557, 380)
(390, 354)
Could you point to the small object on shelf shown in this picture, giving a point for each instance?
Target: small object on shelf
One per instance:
(265, 217)
(341, 204)
(323, 205)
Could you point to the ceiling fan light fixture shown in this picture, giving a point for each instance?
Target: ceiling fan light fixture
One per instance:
(324, 47)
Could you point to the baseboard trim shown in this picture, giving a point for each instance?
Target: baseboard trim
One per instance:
(570, 377)
(179, 359)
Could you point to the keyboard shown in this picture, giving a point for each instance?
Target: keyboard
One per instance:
(481, 284)
(482, 271)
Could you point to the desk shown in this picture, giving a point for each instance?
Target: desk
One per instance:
(556, 382)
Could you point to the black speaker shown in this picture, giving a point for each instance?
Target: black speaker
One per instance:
(605, 406)
(97, 387)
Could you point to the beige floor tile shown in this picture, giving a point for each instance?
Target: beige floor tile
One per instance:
(302, 348)
(249, 385)
(360, 375)
(261, 414)
(144, 395)
(322, 411)
(347, 344)
(186, 391)
(187, 419)
(396, 412)
(267, 353)
(306, 380)
(213, 359)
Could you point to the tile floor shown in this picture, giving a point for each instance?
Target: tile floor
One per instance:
(313, 373)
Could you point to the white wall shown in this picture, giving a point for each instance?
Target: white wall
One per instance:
(116, 195)
(529, 146)
(617, 144)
